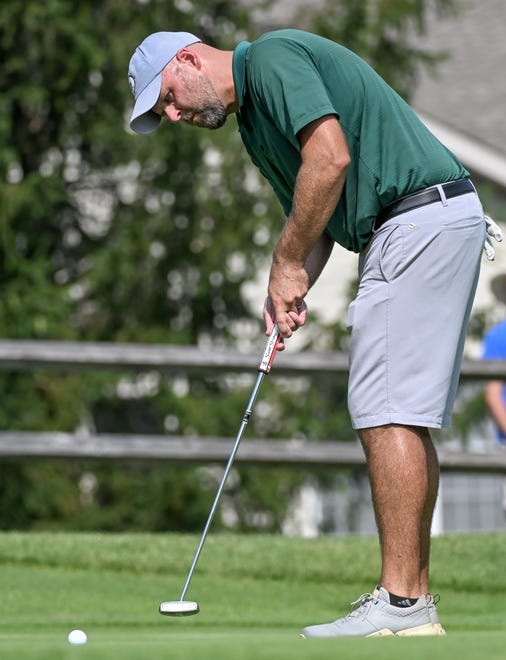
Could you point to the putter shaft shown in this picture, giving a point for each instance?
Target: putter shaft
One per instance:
(263, 369)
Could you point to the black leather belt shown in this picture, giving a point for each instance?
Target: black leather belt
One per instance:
(422, 198)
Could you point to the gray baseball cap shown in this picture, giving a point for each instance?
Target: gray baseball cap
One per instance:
(145, 74)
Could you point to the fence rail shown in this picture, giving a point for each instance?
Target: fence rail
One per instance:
(217, 450)
(17, 355)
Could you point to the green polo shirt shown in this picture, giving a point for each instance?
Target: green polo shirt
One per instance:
(289, 78)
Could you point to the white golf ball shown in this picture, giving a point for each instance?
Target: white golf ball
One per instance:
(77, 637)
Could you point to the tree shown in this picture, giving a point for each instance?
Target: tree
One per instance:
(106, 235)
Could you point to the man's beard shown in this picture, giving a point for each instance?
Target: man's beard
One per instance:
(209, 115)
(209, 111)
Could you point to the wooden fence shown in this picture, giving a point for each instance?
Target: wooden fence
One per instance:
(16, 355)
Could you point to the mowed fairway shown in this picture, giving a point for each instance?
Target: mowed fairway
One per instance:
(255, 593)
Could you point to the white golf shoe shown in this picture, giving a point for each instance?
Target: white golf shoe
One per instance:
(374, 616)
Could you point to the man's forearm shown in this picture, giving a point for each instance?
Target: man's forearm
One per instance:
(495, 404)
(296, 261)
(318, 257)
(319, 185)
(302, 231)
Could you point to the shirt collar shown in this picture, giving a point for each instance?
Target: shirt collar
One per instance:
(239, 70)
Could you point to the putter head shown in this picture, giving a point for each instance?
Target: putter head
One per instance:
(179, 607)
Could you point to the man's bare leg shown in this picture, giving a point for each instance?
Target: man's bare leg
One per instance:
(404, 475)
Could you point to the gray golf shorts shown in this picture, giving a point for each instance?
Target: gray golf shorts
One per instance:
(408, 322)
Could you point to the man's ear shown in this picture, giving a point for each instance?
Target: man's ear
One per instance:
(187, 56)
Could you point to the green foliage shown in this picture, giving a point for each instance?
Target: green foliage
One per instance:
(88, 495)
(110, 236)
(106, 235)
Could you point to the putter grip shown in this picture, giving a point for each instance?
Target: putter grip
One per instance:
(270, 351)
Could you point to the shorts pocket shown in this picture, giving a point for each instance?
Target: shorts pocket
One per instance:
(391, 253)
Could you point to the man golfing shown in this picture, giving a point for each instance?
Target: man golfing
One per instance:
(351, 163)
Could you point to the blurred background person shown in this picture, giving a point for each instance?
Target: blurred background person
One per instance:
(494, 348)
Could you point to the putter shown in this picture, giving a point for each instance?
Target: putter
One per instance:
(184, 607)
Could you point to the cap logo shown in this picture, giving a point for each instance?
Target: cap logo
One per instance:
(131, 82)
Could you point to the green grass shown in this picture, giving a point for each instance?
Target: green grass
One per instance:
(255, 593)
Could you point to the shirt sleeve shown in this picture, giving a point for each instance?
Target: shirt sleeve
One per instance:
(288, 84)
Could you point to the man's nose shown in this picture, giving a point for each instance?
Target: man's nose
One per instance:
(172, 113)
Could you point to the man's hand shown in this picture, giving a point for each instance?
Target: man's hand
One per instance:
(289, 317)
(288, 285)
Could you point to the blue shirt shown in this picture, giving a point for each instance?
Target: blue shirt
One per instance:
(494, 348)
